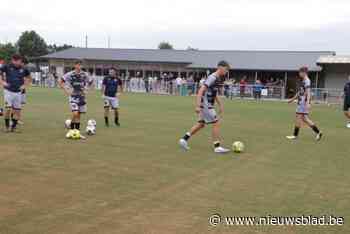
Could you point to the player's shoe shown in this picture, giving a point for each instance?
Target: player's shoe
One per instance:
(291, 137)
(15, 130)
(82, 137)
(221, 150)
(117, 124)
(348, 125)
(319, 136)
(20, 122)
(184, 144)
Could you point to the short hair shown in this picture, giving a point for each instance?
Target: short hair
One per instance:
(17, 57)
(223, 63)
(304, 69)
(78, 61)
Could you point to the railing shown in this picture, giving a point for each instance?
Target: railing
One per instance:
(136, 85)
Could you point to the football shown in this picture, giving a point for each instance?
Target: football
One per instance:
(90, 130)
(92, 122)
(238, 147)
(348, 125)
(75, 135)
(67, 123)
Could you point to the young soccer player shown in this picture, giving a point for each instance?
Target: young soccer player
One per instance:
(347, 101)
(75, 85)
(111, 89)
(303, 97)
(14, 77)
(205, 101)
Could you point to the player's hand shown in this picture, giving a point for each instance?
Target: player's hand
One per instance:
(5, 84)
(198, 110)
(22, 87)
(290, 101)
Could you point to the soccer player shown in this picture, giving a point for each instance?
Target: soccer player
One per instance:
(75, 84)
(303, 98)
(111, 89)
(347, 101)
(205, 101)
(14, 77)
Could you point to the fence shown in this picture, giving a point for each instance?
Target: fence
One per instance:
(153, 86)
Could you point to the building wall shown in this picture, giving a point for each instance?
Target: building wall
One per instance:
(336, 75)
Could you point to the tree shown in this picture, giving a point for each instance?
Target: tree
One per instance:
(6, 51)
(55, 48)
(165, 46)
(31, 45)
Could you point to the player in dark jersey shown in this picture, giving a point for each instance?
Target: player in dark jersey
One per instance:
(14, 77)
(206, 99)
(111, 89)
(76, 84)
(347, 101)
(303, 98)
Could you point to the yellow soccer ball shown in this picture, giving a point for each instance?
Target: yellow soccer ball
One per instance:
(238, 147)
(75, 135)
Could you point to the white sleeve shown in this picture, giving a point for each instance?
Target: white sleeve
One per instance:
(210, 81)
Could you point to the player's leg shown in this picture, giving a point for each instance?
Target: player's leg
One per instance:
(297, 125)
(75, 119)
(312, 125)
(106, 111)
(116, 116)
(217, 138)
(8, 109)
(195, 129)
(114, 103)
(16, 116)
(347, 112)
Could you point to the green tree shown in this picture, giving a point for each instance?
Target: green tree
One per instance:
(6, 51)
(31, 45)
(165, 46)
(56, 48)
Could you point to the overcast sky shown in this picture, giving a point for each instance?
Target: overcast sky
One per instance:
(203, 24)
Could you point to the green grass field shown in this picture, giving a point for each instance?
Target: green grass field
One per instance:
(135, 179)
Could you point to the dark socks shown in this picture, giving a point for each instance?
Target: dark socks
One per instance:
(217, 144)
(187, 136)
(106, 121)
(315, 129)
(7, 123)
(14, 123)
(75, 126)
(296, 131)
(116, 118)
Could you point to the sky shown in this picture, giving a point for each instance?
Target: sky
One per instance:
(202, 24)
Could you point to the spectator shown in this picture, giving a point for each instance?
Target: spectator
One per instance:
(190, 85)
(257, 90)
(178, 82)
(242, 87)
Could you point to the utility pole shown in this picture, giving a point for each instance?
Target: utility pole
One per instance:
(86, 41)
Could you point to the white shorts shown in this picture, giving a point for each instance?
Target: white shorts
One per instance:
(302, 109)
(78, 104)
(208, 116)
(112, 102)
(13, 100)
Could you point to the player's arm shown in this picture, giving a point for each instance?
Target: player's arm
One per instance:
(27, 82)
(103, 88)
(3, 82)
(200, 94)
(308, 96)
(62, 84)
(293, 98)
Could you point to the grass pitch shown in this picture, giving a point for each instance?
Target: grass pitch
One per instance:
(135, 179)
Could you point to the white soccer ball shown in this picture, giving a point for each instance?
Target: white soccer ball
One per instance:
(91, 130)
(92, 122)
(67, 123)
(238, 147)
(348, 125)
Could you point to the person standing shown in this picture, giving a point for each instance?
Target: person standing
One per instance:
(242, 86)
(347, 101)
(205, 102)
(111, 88)
(257, 89)
(14, 78)
(75, 84)
(303, 106)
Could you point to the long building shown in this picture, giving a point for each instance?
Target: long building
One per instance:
(282, 65)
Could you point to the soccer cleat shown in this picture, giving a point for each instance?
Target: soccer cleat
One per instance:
(221, 150)
(291, 137)
(319, 136)
(184, 144)
(82, 137)
(117, 124)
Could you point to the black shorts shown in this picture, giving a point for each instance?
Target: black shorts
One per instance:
(346, 105)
